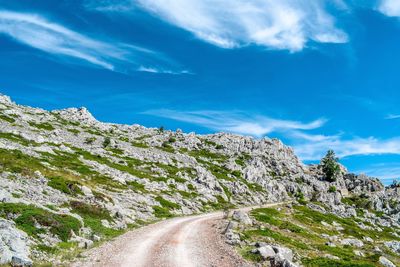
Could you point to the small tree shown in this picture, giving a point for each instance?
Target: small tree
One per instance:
(106, 142)
(161, 129)
(330, 166)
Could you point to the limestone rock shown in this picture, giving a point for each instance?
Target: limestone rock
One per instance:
(385, 262)
(242, 217)
(13, 245)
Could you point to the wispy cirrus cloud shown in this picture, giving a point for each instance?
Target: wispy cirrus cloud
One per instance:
(161, 70)
(392, 117)
(284, 24)
(53, 38)
(313, 147)
(234, 121)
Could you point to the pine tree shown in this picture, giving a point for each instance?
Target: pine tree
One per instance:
(330, 166)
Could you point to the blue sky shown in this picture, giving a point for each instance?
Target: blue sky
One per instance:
(317, 74)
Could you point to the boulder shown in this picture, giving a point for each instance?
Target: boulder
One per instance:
(232, 238)
(279, 260)
(20, 262)
(352, 242)
(286, 253)
(393, 246)
(13, 245)
(266, 252)
(385, 262)
(242, 217)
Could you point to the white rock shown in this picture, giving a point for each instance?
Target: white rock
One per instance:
(242, 217)
(352, 242)
(266, 252)
(385, 262)
(13, 244)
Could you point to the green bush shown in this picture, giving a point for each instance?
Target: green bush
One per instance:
(94, 211)
(106, 141)
(332, 189)
(90, 140)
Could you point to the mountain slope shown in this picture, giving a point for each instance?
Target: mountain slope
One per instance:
(68, 180)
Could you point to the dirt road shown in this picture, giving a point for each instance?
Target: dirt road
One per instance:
(179, 242)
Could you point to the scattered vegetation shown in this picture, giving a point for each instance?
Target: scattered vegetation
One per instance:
(74, 131)
(27, 217)
(65, 186)
(7, 118)
(300, 228)
(90, 140)
(18, 139)
(42, 126)
(92, 216)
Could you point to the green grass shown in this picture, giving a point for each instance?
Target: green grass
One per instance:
(242, 159)
(187, 195)
(250, 256)
(136, 186)
(284, 239)
(74, 131)
(7, 118)
(324, 262)
(161, 212)
(18, 139)
(206, 154)
(314, 218)
(15, 161)
(92, 216)
(358, 201)
(42, 126)
(65, 186)
(167, 204)
(116, 151)
(165, 146)
(300, 228)
(28, 215)
(267, 215)
(139, 144)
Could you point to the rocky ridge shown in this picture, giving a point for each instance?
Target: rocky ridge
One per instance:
(68, 181)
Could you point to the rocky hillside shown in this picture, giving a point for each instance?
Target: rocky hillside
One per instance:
(68, 181)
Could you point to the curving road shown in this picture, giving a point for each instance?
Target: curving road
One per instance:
(179, 242)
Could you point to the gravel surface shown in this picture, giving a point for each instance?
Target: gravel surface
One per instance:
(179, 242)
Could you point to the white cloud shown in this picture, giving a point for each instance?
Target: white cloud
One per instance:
(283, 24)
(390, 8)
(313, 147)
(392, 117)
(235, 122)
(160, 70)
(36, 31)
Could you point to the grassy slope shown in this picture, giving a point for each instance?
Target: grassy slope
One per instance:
(300, 229)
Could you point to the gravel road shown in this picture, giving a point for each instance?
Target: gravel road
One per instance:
(179, 242)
